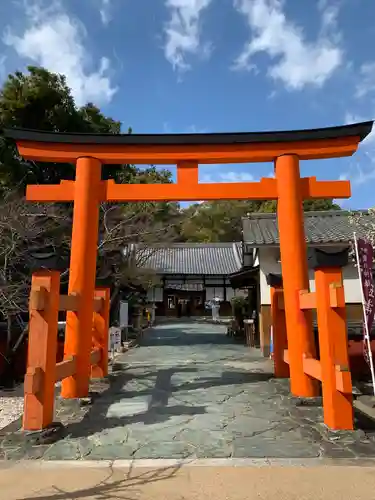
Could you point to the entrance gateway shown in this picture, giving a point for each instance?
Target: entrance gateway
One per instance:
(294, 348)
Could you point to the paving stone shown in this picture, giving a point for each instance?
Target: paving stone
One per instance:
(208, 421)
(14, 453)
(111, 452)
(148, 435)
(128, 407)
(117, 435)
(362, 449)
(247, 426)
(205, 444)
(25, 452)
(330, 450)
(215, 451)
(36, 452)
(275, 448)
(64, 450)
(174, 449)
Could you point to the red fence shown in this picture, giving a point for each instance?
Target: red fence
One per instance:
(42, 369)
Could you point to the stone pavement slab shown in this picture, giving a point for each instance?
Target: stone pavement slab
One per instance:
(189, 391)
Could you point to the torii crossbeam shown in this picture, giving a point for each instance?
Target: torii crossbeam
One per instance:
(187, 151)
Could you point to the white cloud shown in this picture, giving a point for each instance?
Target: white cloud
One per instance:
(193, 129)
(2, 67)
(230, 176)
(298, 62)
(361, 168)
(366, 85)
(330, 10)
(105, 11)
(183, 32)
(54, 40)
(369, 141)
(236, 177)
(359, 175)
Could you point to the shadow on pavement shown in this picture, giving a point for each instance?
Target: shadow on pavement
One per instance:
(158, 409)
(97, 419)
(173, 336)
(115, 489)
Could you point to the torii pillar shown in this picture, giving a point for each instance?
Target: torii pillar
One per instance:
(82, 274)
(293, 252)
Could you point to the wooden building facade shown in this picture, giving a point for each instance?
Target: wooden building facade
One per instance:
(190, 274)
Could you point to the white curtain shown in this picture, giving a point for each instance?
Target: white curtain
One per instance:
(155, 294)
(214, 292)
(158, 295)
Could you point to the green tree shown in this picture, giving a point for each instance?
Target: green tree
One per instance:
(42, 100)
(216, 221)
(308, 206)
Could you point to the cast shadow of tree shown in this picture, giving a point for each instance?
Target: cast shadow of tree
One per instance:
(127, 488)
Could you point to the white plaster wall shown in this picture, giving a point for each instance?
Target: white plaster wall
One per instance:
(256, 258)
(268, 264)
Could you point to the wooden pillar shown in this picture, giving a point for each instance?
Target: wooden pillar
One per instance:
(281, 369)
(295, 273)
(101, 333)
(333, 344)
(39, 387)
(82, 274)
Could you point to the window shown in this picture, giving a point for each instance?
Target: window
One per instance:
(214, 292)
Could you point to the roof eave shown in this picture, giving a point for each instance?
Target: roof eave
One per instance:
(313, 245)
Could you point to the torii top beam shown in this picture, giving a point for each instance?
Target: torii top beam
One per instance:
(243, 147)
(187, 151)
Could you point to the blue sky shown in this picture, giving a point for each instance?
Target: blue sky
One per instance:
(211, 66)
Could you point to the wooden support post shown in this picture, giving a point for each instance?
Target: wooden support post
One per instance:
(333, 343)
(82, 274)
(39, 384)
(281, 369)
(295, 273)
(100, 333)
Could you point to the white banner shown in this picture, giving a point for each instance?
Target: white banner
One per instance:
(124, 314)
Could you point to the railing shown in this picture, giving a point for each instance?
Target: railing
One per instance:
(332, 369)
(42, 370)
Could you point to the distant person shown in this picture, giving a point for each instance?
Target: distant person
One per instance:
(215, 310)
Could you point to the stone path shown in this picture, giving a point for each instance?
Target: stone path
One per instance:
(189, 391)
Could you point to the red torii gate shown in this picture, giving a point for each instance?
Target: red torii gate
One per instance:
(187, 151)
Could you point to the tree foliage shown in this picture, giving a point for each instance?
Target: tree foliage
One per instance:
(39, 99)
(216, 221)
(42, 100)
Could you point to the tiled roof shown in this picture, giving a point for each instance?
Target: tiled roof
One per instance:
(320, 227)
(194, 258)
